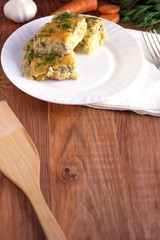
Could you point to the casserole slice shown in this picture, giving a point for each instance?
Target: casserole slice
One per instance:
(94, 36)
(50, 66)
(61, 35)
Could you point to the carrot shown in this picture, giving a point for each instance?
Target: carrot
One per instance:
(78, 6)
(111, 17)
(108, 9)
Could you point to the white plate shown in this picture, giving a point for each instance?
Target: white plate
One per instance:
(102, 74)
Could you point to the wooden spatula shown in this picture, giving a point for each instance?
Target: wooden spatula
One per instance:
(19, 161)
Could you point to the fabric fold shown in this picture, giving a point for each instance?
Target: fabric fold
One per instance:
(143, 95)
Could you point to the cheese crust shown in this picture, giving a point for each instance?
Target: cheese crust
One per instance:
(61, 35)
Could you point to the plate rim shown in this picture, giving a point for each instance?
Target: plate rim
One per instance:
(73, 101)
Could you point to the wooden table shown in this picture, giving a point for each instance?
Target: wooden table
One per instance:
(100, 170)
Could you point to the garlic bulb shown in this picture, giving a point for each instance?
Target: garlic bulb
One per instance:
(20, 10)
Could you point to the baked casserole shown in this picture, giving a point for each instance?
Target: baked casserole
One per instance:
(94, 36)
(48, 66)
(50, 53)
(61, 35)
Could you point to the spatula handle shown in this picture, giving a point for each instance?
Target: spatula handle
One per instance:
(48, 222)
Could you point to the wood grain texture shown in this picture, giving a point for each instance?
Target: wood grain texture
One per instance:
(109, 169)
(20, 162)
(100, 170)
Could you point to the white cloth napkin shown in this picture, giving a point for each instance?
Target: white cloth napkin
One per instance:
(143, 95)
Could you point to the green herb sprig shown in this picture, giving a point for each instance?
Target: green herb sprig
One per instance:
(146, 15)
(46, 60)
(125, 3)
(66, 15)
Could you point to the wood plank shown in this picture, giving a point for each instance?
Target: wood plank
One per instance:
(112, 192)
(99, 169)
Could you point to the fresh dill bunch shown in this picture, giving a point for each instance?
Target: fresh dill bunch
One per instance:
(125, 3)
(152, 1)
(145, 16)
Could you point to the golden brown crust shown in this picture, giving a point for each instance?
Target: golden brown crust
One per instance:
(53, 67)
(61, 35)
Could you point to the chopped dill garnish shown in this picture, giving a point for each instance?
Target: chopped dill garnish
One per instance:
(66, 15)
(30, 55)
(66, 26)
(52, 58)
(38, 36)
(45, 60)
(41, 35)
(46, 35)
(38, 66)
(51, 30)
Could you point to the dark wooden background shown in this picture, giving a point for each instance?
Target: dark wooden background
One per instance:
(100, 170)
